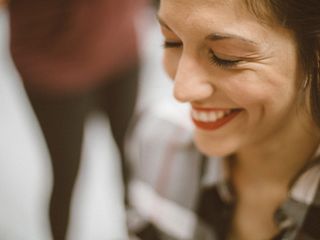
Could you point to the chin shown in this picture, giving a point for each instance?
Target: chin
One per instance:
(213, 148)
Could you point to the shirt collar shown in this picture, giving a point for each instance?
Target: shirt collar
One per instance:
(303, 189)
(291, 213)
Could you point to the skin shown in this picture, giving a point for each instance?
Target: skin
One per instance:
(273, 136)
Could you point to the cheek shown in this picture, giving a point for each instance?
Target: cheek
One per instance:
(249, 96)
(267, 99)
(260, 89)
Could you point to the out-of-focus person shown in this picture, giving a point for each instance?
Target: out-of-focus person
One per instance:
(75, 56)
(2, 3)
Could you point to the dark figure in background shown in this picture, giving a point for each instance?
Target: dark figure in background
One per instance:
(75, 56)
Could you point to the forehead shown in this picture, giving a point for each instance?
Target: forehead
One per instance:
(230, 16)
(259, 8)
(180, 7)
(195, 18)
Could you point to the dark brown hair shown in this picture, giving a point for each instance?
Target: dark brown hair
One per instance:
(303, 18)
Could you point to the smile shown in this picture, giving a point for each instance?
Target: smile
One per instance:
(211, 119)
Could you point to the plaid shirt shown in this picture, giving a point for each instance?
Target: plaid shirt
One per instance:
(177, 193)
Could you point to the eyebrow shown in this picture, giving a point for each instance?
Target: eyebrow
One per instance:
(214, 36)
(225, 36)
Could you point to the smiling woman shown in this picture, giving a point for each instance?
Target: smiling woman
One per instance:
(234, 65)
(249, 70)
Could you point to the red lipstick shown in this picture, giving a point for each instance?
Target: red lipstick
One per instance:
(212, 119)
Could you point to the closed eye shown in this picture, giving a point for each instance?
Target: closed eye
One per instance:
(222, 62)
(214, 58)
(171, 44)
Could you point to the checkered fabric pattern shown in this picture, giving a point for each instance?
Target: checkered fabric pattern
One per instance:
(176, 193)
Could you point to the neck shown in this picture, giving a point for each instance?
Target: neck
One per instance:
(262, 173)
(277, 161)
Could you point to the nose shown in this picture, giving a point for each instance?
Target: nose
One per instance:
(191, 81)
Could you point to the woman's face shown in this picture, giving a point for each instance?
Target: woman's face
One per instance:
(240, 76)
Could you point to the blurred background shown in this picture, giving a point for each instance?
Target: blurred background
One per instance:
(26, 179)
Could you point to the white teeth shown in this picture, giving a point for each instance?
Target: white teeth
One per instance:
(208, 116)
(212, 116)
(203, 117)
(220, 114)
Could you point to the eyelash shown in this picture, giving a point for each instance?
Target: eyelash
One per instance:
(172, 44)
(223, 63)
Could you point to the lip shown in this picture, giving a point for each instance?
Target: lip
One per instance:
(230, 114)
